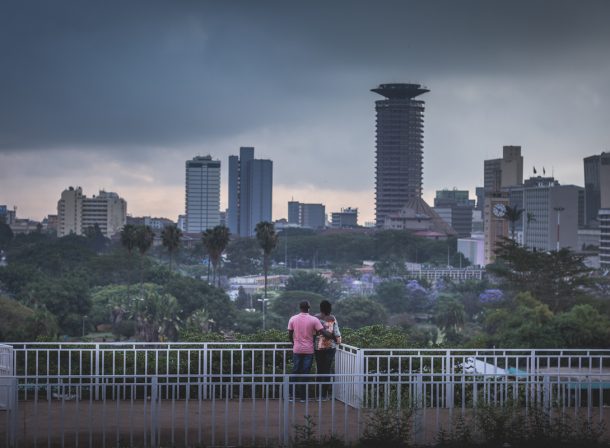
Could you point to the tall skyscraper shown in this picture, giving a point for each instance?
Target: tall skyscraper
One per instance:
(399, 148)
(250, 192)
(202, 194)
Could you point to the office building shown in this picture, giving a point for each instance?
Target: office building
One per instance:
(294, 212)
(311, 216)
(7, 215)
(553, 211)
(593, 189)
(202, 201)
(603, 215)
(250, 192)
(399, 148)
(76, 212)
(455, 208)
(346, 218)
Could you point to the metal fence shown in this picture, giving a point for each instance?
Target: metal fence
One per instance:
(239, 394)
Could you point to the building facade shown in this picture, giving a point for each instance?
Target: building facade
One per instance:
(76, 212)
(250, 192)
(311, 216)
(346, 218)
(202, 199)
(595, 175)
(399, 147)
(455, 207)
(553, 211)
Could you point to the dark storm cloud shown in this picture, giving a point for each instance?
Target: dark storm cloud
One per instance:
(136, 74)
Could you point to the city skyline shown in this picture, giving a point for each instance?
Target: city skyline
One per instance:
(118, 102)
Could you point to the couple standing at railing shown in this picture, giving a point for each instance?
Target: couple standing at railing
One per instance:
(311, 335)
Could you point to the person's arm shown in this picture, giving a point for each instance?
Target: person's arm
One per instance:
(291, 331)
(337, 332)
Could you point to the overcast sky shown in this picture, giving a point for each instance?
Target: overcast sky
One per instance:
(117, 95)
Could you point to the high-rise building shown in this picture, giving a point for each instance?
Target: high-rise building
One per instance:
(76, 212)
(294, 212)
(347, 217)
(455, 208)
(593, 189)
(399, 148)
(553, 214)
(202, 204)
(250, 192)
(603, 215)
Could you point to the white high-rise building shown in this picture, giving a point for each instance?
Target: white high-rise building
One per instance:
(202, 194)
(76, 212)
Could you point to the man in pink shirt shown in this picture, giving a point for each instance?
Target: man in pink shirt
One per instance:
(302, 328)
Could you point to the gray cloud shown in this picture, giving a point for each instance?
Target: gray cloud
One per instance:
(154, 82)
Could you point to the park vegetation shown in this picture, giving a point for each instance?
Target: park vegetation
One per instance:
(148, 287)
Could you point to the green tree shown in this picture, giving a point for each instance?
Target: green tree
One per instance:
(393, 296)
(215, 241)
(356, 312)
(583, 327)
(307, 281)
(513, 214)
(129, 240)
(287, 303)
(450, 315)
(6, 234)
(170, 237)
(522, 322)
(21, 323)
(97, 241)
(267, 239)
(144, 240)
(391, 268)
(556, 278)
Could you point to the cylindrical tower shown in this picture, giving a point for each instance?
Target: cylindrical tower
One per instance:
(399, 147)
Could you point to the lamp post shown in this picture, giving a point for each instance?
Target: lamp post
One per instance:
(558, 210)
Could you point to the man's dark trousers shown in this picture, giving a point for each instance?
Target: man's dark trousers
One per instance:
(301, 363)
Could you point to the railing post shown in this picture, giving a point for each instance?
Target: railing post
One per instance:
(286, 411)
(97, 371)
(13, 411)
(154, 411)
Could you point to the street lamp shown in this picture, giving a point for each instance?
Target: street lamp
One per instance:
(558, 210)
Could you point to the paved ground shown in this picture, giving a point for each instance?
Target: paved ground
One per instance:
(205, 423)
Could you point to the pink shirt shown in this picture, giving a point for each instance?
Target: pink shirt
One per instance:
(304, 326)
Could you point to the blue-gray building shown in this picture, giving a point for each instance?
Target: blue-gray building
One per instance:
(250, 192)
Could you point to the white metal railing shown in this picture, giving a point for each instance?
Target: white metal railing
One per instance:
(171, 410)
(8, 395)
(248, 383)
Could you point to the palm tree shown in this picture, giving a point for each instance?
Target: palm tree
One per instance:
(450, 314)
(129, 242)
(216, 241)
(530, 218)
(144, 239)
(513, 214)
(267, 239)
(170, 236)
